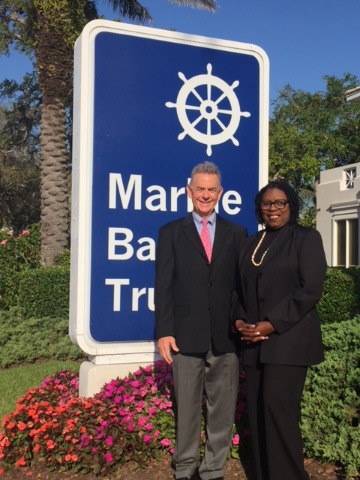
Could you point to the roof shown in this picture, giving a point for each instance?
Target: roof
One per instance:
(353, 95)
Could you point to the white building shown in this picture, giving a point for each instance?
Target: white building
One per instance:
(338, 212)
(338, 209)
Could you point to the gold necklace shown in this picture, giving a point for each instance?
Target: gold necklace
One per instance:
(256, 250)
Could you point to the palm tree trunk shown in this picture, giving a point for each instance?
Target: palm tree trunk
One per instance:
(54, 184)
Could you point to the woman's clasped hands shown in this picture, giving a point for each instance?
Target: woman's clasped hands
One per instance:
(253, 333)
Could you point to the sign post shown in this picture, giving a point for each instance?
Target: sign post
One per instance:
(149, 105)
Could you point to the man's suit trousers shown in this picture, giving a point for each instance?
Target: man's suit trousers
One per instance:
(215, 376)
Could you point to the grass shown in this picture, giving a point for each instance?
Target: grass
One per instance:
(16, 381)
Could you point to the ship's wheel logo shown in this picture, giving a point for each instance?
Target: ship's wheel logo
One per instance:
(208, 109)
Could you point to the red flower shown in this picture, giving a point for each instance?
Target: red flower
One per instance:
(21, 426)
(21, 462)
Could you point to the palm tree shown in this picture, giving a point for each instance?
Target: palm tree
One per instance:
(47, 30)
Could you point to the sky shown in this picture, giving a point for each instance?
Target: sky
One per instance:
(304, 40)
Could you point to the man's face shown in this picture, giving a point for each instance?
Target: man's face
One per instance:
(205, 192)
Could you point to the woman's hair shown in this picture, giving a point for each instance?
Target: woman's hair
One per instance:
(291, 195)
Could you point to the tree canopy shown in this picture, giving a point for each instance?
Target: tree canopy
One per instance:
(19, 153)
(311, 132)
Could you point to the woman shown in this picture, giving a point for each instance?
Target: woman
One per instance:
(282, 273)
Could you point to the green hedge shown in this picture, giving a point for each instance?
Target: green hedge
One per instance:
(340, 299)
(44, 292)
(27, 340)
(330, 414)
(17, 255)
(354, 272)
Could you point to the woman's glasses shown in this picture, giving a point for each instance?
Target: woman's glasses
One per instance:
(278, 204)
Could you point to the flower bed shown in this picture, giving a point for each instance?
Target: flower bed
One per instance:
(131, 419)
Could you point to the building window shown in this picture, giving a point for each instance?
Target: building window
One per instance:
(350, 176)
(347, 243)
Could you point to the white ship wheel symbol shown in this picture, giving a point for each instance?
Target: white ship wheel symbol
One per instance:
(209, 109)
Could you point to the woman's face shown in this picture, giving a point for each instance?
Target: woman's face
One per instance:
(275, 208)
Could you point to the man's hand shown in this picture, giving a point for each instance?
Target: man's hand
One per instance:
(165, 345)
(254, 333)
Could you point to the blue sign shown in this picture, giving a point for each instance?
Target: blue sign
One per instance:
(149, 106)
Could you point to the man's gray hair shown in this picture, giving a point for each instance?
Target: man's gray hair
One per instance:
(206, 167)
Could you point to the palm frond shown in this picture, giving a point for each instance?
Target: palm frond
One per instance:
(131, 9)
(205, 4)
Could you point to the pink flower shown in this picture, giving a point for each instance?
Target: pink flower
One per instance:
(143, 392)
(165, 442)
(4, 242)
(25, 233)
(135, 384)
(147, 438)
(140, 406)
(109, 458)
(109, 441)
(142, 421)
(236, 440)
(128, 398)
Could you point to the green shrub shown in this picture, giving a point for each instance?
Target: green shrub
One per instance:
(17, 255)
(340, 297)
(44, 292)
(330, 415)
(63, 260)
(26, 340)
(354, 272)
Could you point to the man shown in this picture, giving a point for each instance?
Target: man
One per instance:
(193, 292)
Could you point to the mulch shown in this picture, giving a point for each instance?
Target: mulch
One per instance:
(235, 470)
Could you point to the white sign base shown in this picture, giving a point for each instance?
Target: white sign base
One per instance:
(92, 376)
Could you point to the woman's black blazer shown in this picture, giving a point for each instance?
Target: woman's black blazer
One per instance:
(289, 284)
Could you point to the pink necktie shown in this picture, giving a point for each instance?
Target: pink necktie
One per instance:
(205, 238)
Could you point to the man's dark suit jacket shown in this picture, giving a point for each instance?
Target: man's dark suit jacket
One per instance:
(193, 297)
(289, 285)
